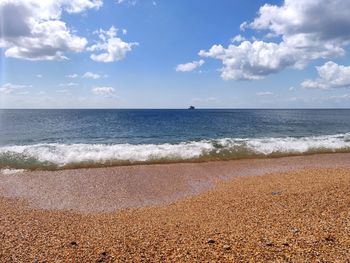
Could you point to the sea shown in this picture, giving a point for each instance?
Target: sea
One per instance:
(64, 139)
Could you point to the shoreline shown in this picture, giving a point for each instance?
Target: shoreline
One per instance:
(116, 164)
(63, 156)
(299, 214)
(94, 190)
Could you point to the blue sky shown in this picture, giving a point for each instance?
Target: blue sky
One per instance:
(172, 54)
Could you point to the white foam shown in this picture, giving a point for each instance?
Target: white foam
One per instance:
(290, 145)
(11, 171)
(63, 154)
(299, 145)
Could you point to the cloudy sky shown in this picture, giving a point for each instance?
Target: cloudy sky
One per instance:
(172, 54)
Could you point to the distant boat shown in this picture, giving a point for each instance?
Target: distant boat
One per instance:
(191, 108)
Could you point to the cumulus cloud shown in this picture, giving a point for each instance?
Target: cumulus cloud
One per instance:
(9, 88)
(238, 39)
(129, 2)
(314, 20)
(253, 60)
(91, 75)
(72, 76)
(69, 84)
(103, 91)
(187, 67)
(331, 76)
(308, 30)
(112, 47)
(32, 29)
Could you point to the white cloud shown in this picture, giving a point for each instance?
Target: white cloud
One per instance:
(291, 88)
(113, 48)
(187, 67)
(251, 60)
(39, 75)
(69, 84)
(9, 88)
(308, 30)
(238, 39)
(133, 2)
(331, 75)
(72, 76)
(314, 20)
(103, 91)
(340, 97)
(32, 29)
(130, 2)
(264, 93)
(90, 75)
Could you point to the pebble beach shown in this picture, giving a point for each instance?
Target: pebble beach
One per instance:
(259, 214)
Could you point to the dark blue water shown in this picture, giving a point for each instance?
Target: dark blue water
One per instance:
(62, 137)
(162, 126)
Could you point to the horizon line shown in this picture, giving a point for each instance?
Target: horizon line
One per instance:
(175, 108)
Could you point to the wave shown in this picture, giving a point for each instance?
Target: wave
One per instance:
(61, 156)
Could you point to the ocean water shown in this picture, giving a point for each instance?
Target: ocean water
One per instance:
(59, 139)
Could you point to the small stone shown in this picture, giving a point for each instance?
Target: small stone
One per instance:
(269, 243)
(73, 243)
(295, 230)
(276, 193)
(211, 241)
(104, 253)
(330, 238)
(286, 244)
(226, 247)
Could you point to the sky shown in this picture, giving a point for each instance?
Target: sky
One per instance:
(172, 54)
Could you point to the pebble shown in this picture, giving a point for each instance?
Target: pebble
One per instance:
(295, 230)
(211, 241)
(276, 193)
(269, 243)
(255, 228)
(226, 247)
(74, 244)
(330, 238)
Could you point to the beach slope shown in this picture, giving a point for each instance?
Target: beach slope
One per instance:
(287, 216)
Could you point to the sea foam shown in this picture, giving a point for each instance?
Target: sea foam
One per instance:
(61, 155)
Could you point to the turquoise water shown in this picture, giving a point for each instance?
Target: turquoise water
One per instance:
(56, 139)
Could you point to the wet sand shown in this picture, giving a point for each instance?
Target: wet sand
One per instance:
(112, 188)
(287, 210)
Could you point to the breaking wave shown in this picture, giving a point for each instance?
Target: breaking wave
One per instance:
(62, 156)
